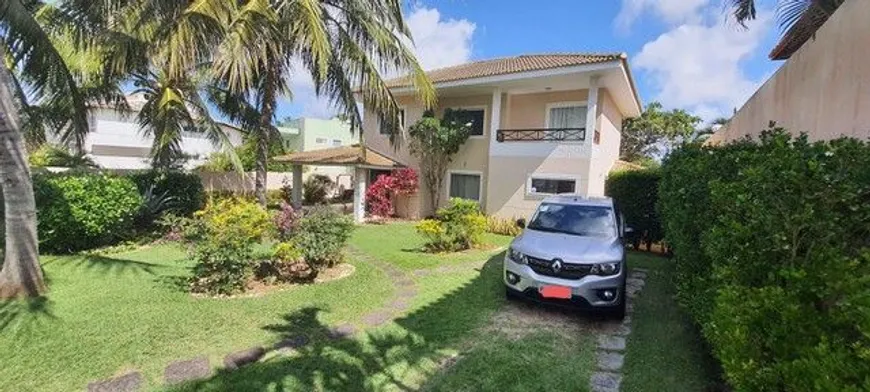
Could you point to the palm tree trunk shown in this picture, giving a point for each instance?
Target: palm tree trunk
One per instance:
(21, 274)
(266, 115)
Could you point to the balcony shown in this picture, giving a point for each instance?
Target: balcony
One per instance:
(541, 134)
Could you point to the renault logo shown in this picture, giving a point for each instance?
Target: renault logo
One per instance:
(557, 265)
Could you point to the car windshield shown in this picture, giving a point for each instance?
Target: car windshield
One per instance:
(592, 221)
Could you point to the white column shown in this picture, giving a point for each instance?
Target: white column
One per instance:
(297, 186)
(592, 111)
(359, 195)
(495, 116)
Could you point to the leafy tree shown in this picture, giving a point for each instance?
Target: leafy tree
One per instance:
(645, 136)
(434, 142)
(789, 11)
(342, 44)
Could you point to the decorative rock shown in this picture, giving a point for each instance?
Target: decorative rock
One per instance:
(610, 361)
(342, 331)
(377, 318)
(611, 343)
(241, 358)
(605, 382)
(129, 382)
(291, 343)
(192, 369)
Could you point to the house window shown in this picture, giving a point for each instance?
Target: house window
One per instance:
(320, 140)
(597, 138)
(566, 116)
(473, 116)
(336, 142)
(386, 131)
(465, 186)
(552, 186)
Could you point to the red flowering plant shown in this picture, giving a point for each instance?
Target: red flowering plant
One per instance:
(379, 195)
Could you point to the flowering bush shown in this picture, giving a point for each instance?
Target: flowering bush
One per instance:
(379, 195)
(286, 220)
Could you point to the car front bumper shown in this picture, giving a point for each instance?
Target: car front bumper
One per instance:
(584, 291)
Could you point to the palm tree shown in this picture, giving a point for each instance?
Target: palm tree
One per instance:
(341, 43)
(27, 50)
(789, 11)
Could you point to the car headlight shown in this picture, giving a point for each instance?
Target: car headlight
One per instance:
(517, 257)
(605, 269)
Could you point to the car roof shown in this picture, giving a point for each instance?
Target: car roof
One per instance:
(580, 200)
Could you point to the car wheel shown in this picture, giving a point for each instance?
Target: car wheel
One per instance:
(510, 295)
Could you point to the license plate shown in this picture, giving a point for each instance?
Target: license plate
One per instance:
(560, 292)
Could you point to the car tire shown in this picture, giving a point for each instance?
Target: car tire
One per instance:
(510, 295)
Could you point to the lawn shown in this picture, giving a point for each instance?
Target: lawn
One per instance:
(109, 315)
(665, 350)
(400, 245)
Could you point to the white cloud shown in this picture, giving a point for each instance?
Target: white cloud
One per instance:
(698, 66)
(671, 11)
(438, 43)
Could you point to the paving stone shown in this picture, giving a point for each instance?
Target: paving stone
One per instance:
(407, 292)
(129, 382)
(637, 275)
(290, 344)
(342, 331)
(377, 318)
(634, 282)
(611, 343)
(640, 269)
(605, 382)
(241, 358)
(629, 308)
(191, 369)
(404, 282)
(622, 330)
(398, 304)
(627, 320)
(610, 361)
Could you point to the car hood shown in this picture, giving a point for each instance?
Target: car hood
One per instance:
(570, 248)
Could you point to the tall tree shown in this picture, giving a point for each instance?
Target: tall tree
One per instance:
(342, 44)
(646, 136)
(28, 54)
(434, 142)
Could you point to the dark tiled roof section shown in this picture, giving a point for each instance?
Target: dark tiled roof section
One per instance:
(509, 65)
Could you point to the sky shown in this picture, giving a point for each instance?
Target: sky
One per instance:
(686, 54)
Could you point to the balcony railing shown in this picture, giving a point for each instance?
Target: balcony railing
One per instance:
(541, 134)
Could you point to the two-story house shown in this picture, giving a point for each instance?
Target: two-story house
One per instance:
(541, 125)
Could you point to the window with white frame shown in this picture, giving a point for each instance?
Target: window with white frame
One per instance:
(320, 140)
(336, 142)
(551, 185)
(386, 131)
(566, 115)
(473, 116)
(465, 186)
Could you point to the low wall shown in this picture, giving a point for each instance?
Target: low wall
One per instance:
(244, 183)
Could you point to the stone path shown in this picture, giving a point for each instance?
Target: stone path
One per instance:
(610, 353)
(200, 368)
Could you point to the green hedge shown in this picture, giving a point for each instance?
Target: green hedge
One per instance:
(772, 258)
(635, 193)
(185, 189)
(79, 211)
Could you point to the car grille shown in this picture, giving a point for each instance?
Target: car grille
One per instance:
(568, 271)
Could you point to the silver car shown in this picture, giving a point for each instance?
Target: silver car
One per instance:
(570, 253)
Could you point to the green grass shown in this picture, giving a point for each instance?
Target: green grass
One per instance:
(106, 315)
(665, 350)
(399, 244)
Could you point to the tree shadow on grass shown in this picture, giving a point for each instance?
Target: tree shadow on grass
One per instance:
(389, 358)
(22, 315)
(105, 265)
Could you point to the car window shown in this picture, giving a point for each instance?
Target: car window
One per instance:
(574, 219)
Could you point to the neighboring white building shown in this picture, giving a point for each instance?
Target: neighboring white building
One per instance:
(117, 142)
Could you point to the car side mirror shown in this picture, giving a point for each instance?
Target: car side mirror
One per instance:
(521, 223)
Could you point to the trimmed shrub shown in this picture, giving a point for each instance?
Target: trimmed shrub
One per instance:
(458, 226)
(185, 189)
(222, 239)
(772, 258)
(321, 235)
(78, 211)
(316, 188)
(635, 193)
(502, 226)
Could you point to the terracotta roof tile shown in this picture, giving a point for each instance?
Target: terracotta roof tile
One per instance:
(509, 65)
(340, 156)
